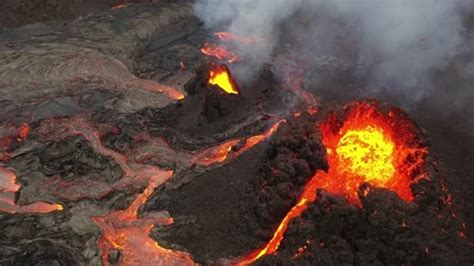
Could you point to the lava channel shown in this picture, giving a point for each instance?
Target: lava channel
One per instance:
(8, 189)
(8, 185)
(129, 233)
(222, 152)
(228, 36)
(125, 230)
(369, 146)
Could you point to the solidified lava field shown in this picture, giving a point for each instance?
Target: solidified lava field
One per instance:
(129, 137)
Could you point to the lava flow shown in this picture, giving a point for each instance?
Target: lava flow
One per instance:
(221, 77)
(220, 52)
(14, 134)
(8, 189)
(8, 185)
(369, 146)
(125, 231)
(228, 36)
(222, 152)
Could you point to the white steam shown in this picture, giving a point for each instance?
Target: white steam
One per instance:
(258, 18)
(403, 41)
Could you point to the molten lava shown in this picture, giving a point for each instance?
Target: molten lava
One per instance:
(221, 77)
(153, 86)
(8, 189)
(13, 134)
(129, 233)
(381, 149)
(23, 131)
(369, 146)
(220, 52)
(293, 76)
(8, 186)
(367, 152)
(119, 6)
(125, 230)
(222, 152)
(227, 36)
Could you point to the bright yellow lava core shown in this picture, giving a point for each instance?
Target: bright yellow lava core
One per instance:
(367, 153)
(221, 78)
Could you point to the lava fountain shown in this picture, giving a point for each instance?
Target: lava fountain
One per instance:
(368, 145)
(220, 76)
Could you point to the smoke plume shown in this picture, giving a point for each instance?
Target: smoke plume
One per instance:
(398, 44)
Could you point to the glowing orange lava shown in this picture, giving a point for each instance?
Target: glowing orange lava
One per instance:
(129, 233)
(220, 76)
(125, 230)
(227, 36)
(23, 131)
(13, 133)
(119, 6)
(293, 79)
(8, 189)
(222, 152)
(153, 86)
(369, 146)
(367, 152)
(220, 52)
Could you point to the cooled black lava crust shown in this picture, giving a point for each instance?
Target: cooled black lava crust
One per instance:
(232, 210)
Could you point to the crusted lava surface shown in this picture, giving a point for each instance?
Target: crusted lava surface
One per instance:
(230, 210)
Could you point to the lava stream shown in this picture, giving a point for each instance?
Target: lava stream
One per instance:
(368, 147)
(228, 36)
(13, 134)
(125, 231)
(8, 189)
(119, 6)
(293, 77)
(222, 152)
(8, 186)
(153, 86)
(220, 52)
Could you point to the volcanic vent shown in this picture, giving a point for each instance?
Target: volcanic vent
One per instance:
(148, 143)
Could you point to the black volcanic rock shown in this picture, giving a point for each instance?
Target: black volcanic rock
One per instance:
(208, 115)
(229, 211)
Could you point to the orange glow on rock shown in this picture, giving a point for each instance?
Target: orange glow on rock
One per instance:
(220, 52)
(222, 152)
(8, 188)
(119, 6)
(369, 146)
(23, 131)
(227, 36)
(373, 147)
(129, 233)
(221, 77)
(153, 86)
